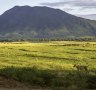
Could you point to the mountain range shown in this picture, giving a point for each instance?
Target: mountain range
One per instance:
(25, 22)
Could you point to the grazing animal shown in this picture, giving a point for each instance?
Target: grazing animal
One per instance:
(81, 67)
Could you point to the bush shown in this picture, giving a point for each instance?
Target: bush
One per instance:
(91, 82)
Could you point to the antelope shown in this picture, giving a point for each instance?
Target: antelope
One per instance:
(81, 67)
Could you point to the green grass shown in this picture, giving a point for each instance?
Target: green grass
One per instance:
(50, 63)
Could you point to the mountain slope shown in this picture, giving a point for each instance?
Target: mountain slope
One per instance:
(25, 22)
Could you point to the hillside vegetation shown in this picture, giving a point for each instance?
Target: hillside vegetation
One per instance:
(50, 64)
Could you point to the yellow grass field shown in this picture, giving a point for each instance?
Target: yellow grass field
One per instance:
(50, 63)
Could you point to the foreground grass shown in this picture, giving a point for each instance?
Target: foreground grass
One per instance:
(50, 64)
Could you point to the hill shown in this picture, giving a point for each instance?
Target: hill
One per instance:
(25, 22)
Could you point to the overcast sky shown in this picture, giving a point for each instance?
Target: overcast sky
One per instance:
(84, 8)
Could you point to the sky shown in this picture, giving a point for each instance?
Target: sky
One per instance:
(83, 8)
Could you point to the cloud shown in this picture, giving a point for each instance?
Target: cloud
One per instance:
(81, 8)
(54, 3)
(85, 3)
(68, 9)
(73, 5)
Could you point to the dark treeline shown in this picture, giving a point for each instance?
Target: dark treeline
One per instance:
(45, 39)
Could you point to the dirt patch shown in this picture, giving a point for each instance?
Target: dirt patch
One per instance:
(10, 84)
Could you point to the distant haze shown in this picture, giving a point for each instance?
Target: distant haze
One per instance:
(90, 16)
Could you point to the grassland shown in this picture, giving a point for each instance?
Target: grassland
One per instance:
(50, 63)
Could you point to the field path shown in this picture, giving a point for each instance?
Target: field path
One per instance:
(9, 84)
